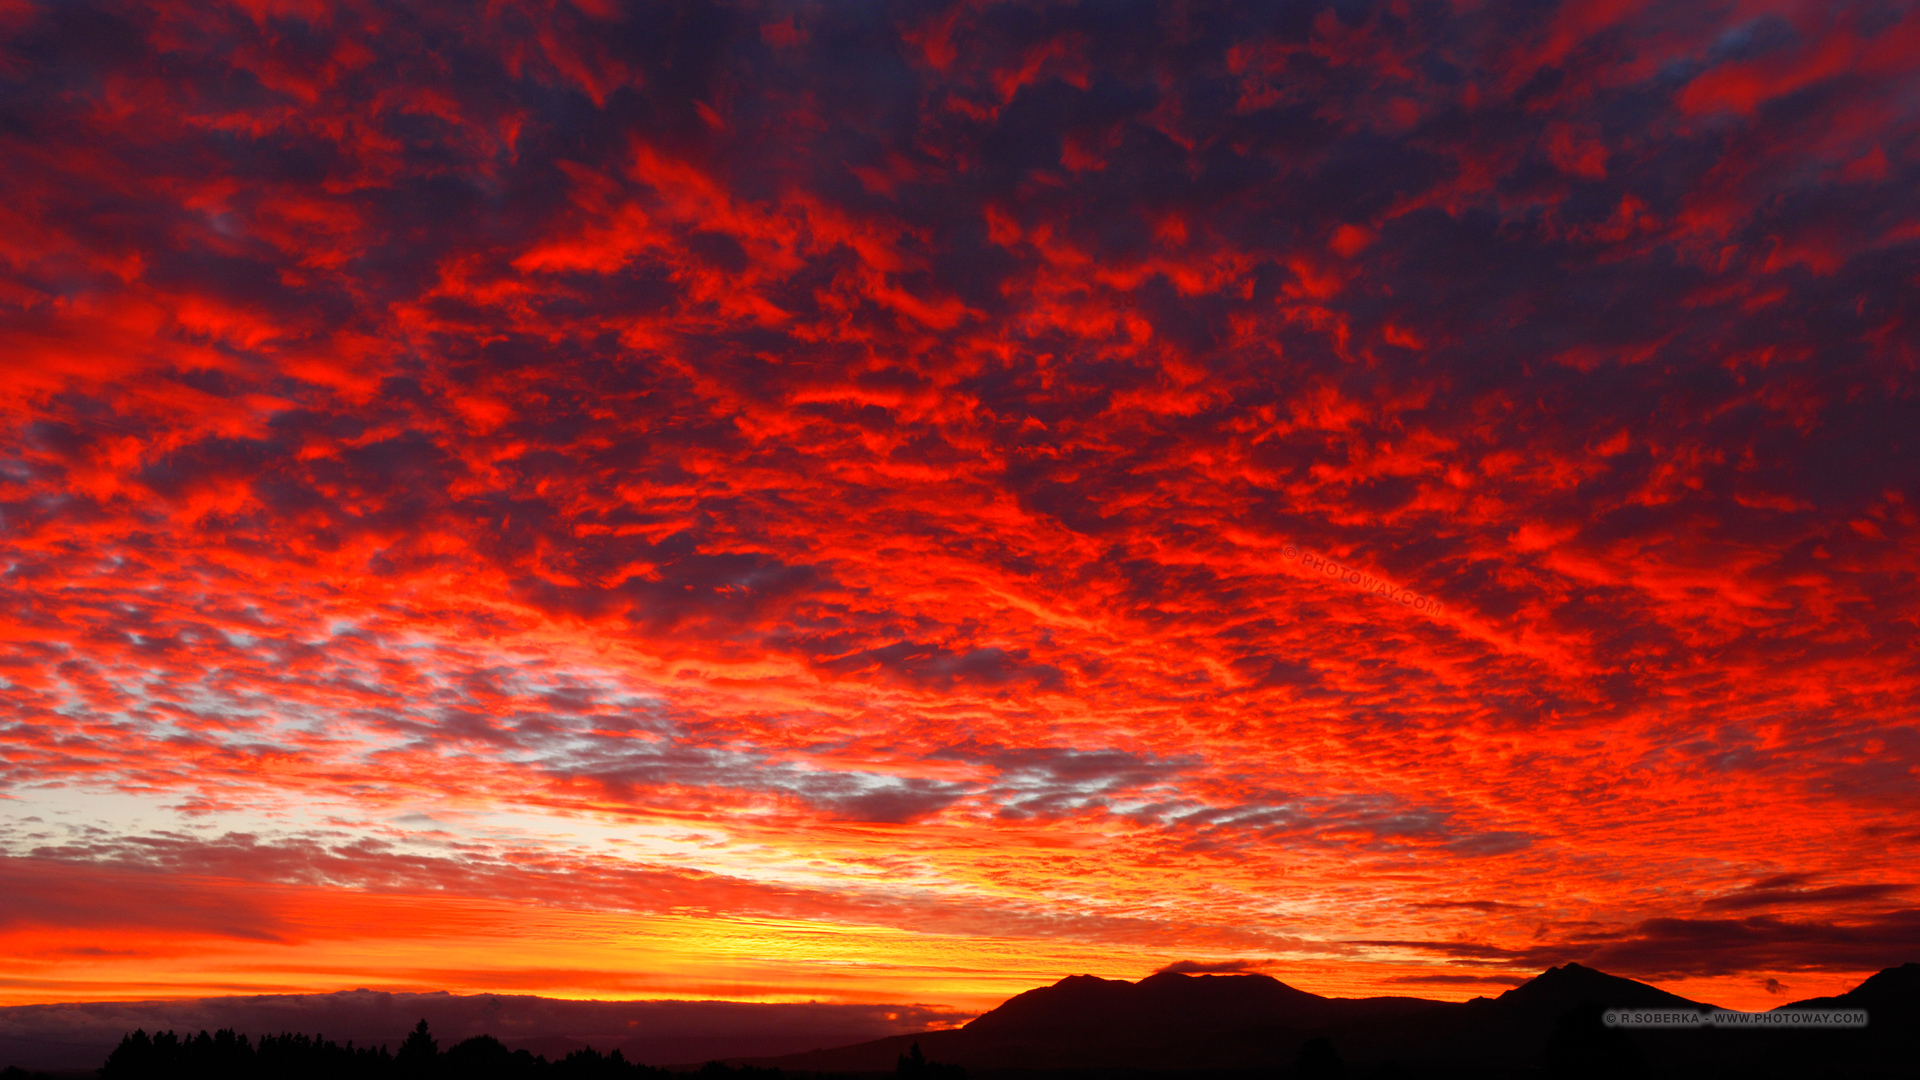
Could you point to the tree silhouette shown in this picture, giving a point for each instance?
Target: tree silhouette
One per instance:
(590, 1064)
(484, 1057)
(913, 1065)
(225, 1055)
(419, 1053)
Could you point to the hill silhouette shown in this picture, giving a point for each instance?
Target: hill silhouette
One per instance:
(1165, 1021)
(1552, 1026)
(1894, 992)
(1084, 1006)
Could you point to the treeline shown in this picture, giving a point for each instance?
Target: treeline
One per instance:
(227, 1055)
(914, 1065)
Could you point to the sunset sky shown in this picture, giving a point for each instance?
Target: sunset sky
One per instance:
(905, 502)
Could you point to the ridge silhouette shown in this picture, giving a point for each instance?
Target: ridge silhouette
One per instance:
(1549, 1026)
(1895, 991)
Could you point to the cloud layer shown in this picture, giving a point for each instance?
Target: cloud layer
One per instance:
(864, 464)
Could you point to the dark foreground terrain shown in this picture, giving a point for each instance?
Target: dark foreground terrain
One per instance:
(230, 1055)
(1170, 1027)
(1550, 1026)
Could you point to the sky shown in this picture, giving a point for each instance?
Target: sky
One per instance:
(866, 503)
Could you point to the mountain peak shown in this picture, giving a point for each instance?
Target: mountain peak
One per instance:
(1087, 1002)
(1572, 984)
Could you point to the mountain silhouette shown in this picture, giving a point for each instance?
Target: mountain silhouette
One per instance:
(1163, 1021)
(1888, 1044)
(1560, 988)
(1557, 1018)
(1893, 993)
(1083, 1006)
(1550, 1026)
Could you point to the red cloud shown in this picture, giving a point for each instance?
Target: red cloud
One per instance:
(858, 460)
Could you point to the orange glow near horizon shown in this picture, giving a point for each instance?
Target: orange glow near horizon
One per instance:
(339, 941)
(331, 941)
(815, 504)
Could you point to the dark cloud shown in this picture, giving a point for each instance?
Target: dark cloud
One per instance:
(1757, 896)
(1667, 947)
(1450, 979)
(39, 893)
(1214, 967)
(1670, 948)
